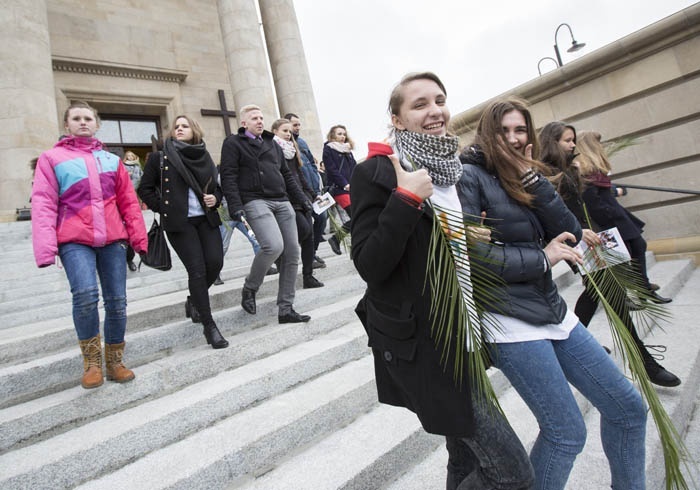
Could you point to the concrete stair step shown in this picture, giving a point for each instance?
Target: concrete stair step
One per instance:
(591, 467)
(136, 431)
(280, 398)
(33, 339)
(354, 457)
(43, 375)
(255, 438)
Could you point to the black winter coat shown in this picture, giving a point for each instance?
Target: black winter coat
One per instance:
(339, 169)
(519, 235)
(296, 171)
(390, 246)
(252, 169)
(173, 203)
(607, 212)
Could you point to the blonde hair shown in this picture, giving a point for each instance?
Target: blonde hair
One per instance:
(331, 135)
(248, 108)
(130, 156)
(592, 157)
(278, 123)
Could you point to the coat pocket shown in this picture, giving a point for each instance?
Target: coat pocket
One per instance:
(392, 331)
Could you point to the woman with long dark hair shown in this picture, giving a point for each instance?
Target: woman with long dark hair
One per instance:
(180, 183)
(606, 212)
(541, 346)
(282, 128)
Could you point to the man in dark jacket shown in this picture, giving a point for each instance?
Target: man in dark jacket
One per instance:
(257, 184)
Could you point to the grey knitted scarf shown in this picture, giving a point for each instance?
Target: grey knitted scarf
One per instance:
(436, 154)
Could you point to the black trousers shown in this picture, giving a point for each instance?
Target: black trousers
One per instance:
(306, 241)
(587, 304)
(637, 248)
(200, 250)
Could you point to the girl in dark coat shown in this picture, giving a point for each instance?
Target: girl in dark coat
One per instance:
(391, 233)
(186, 194)
(541, 346)
(340, 163)
(282, 128)
(558, 142)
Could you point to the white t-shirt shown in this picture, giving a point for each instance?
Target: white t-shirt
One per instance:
(514, 330)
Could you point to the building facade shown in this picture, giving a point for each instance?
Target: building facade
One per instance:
(644, 86)
(141, 63)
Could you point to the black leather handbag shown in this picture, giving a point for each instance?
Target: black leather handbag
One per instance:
(158, 255)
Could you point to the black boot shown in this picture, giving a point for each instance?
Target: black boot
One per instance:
(311, 282)
(191, 311)
(335, 245)
(657, 374)
(248, 300)
(214, 337)
(659, 300)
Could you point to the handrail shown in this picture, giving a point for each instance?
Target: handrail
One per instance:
(661, 189)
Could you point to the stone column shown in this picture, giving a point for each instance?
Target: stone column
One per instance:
(28, 108)
(289, 69)
(245, 53)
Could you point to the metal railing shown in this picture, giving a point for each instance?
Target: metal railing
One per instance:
(661, 189)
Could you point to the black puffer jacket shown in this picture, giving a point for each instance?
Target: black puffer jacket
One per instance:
(519, 235)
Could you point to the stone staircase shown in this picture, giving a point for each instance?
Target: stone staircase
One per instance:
(284, 407)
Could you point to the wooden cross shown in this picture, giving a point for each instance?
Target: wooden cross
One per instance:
(224, 112)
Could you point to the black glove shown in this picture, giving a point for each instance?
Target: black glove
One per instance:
(308, 207)
(238, 215)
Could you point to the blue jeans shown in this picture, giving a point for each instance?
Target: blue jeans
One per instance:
(492, 459)
(83, 264)
(275, 227)
(227, 232)
(541, 371)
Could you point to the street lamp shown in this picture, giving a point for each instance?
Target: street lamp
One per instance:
(575, 45)
(546, 58)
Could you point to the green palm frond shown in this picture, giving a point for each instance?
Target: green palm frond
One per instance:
(336, 227)
(458, 321)
(613, 286)
(615, 146)
(225, 218)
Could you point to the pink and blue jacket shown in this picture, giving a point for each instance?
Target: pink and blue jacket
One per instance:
(83, 194)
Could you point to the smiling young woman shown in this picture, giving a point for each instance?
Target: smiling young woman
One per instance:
(395, 198)
(541, 346)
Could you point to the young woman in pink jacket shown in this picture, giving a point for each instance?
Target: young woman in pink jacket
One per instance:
(84, 215)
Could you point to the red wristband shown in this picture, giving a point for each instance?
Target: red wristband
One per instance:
(409, 197)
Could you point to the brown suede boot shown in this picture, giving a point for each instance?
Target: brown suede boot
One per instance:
(116, 371)
(92, 362)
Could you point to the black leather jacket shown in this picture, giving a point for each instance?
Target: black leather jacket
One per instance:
(519, 235)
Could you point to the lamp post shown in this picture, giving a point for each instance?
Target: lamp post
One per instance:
(546, 58)
(575, 45)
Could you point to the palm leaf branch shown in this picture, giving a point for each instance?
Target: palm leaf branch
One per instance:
(458, 323)
(612, 285)
(617, 145)
(336, 227)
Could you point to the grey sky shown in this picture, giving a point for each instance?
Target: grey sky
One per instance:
(358, 49)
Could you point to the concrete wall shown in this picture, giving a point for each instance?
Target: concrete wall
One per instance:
(161, 57)
(647, 86)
